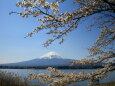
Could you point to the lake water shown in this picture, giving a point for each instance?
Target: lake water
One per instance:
(25, 72)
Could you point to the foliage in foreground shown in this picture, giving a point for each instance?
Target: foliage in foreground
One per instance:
(11, 79)
(59, 78)
(58, 24)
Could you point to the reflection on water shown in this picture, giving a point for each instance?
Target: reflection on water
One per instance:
(25, 72)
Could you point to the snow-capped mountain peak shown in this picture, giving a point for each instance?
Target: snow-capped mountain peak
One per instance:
(50, 59)
(51, 55)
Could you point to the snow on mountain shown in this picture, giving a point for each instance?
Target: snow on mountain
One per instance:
(51, 55)
(49, 59)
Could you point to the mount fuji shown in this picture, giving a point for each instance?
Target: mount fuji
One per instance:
(49, 59)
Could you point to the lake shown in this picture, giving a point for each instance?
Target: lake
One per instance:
(25, 72)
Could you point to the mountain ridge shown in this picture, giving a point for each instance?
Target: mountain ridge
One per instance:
(49, 59)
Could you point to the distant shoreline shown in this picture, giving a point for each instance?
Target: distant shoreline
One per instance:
(57, 67)
(61, 67)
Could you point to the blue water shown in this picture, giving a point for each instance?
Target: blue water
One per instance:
(25, 73)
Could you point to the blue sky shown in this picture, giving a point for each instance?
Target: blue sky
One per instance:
(14, 47)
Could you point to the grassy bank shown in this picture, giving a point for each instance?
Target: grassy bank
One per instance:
(107, 84)
(11, 79)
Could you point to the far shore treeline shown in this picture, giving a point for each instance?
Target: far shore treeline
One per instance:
(86, 66)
